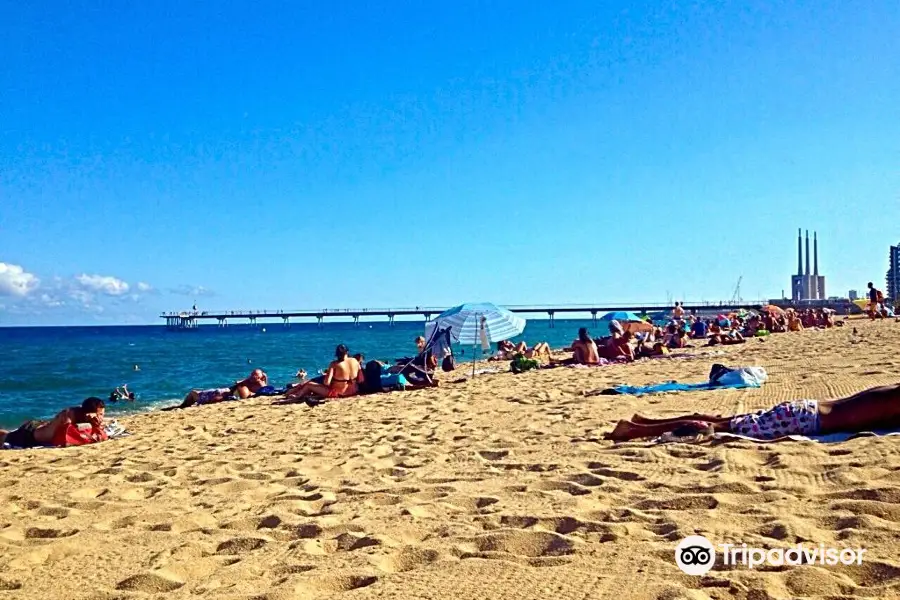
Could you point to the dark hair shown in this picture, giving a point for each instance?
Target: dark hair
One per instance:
(583, 335)
(359, 357)
(341, 352)
(870, 284)
(92, 404)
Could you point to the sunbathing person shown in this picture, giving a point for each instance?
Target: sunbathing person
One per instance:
(342, 379)
(245, 388)
(584, 349)
(875, 408)
(618, 344)
(52, 433)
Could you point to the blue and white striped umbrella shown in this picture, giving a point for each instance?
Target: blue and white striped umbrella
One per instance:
(465, 322)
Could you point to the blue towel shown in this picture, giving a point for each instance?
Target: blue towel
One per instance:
(270, 391)
(673, 386)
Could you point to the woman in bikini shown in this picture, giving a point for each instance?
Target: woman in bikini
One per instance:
(343, 378)
(875, 408)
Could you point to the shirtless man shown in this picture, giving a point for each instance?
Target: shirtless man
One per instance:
(875, 408)
(51, 433)
(250, 385)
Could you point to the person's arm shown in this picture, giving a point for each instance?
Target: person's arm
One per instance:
(360, 376)
(329, 375)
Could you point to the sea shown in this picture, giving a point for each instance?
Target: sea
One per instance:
(44, 369)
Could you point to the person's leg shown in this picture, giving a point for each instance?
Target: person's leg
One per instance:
(46, 432)
(638, 419)
(626, 430)
(3, 433)
(311, 388)
(243, 392)
(875, 408)
(191, 399)
(521, 347)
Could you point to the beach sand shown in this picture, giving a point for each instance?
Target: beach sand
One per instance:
(498, 488)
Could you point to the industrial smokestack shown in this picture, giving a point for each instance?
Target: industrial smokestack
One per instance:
(807, 252)
(799, 252)
(815, 254)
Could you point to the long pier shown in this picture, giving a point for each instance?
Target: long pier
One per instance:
(191, 319)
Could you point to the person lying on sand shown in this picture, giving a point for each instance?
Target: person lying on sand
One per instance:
(506, 350)
(875, 408)
(342, 379)
(50, 433)
(245, 388)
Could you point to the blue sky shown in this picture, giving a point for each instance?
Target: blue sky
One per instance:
(297, 154)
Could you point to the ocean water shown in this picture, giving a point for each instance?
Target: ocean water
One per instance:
(43, 369)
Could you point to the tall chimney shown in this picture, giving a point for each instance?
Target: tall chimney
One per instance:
(807, 252)
(799, 252)
(815, 255)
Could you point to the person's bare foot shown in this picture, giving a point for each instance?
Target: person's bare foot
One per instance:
(621, 432)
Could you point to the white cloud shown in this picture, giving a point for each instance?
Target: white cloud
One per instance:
(144, 287)
(192, 290)
(15, 281)
(103, 284)
(51, 301)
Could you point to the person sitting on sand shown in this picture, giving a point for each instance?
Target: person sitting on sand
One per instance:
(342, 379)
(794, 322)
(678, 339)
(618, 344)
(699, 330)
(52, 433)
(584, 349)
(875, 408)
(245, 388)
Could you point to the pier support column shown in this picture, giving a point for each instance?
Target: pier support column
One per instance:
(356, 320)
(319, 318)
(552, 318)
(391, 320)
(427, 317)
(252, 321)
(594, 318)
(287, 321)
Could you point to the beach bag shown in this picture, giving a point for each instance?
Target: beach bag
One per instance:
(448, 364)
(520, 364)
(741, 376)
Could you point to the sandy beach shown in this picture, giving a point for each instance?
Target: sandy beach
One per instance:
(499, 487)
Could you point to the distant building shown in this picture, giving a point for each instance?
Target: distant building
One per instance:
(853, 295)
(807, 286)
(892, 290)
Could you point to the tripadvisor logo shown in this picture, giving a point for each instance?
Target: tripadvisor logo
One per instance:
(696, 555)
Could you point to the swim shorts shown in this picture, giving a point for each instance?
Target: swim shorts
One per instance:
(212, 395)
(789, 418)
(23, 437)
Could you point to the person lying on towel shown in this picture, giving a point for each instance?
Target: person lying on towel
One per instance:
(875, 408)
(73, 426)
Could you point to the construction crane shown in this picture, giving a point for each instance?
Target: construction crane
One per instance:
(736, 296)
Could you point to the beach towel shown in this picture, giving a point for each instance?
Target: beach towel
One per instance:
(828, 438)
(720, 377)
(270, 391)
